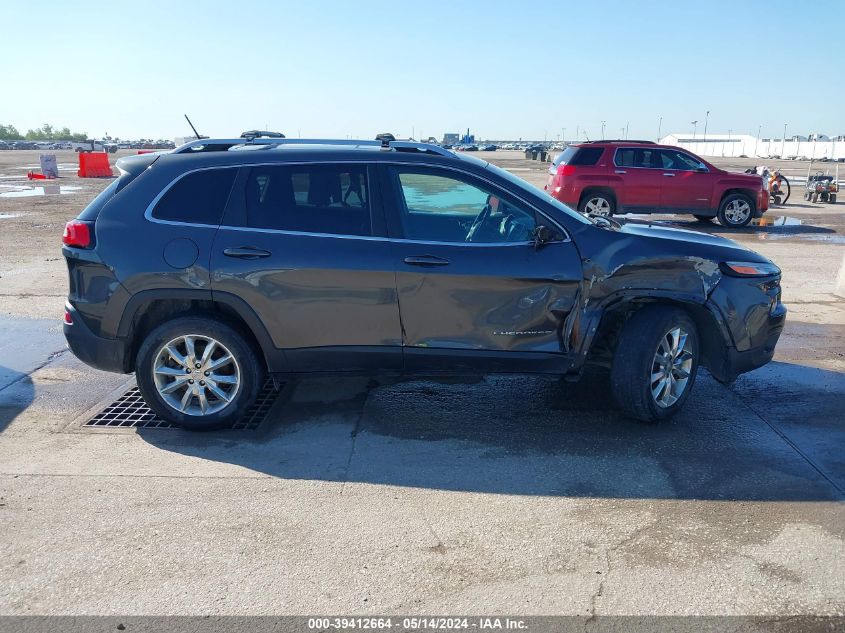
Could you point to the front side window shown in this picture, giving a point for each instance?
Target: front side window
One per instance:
(444, 208)
(637, 157)
(197, 198)
(673, 159)
(330, 199)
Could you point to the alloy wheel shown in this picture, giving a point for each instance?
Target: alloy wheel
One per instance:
(737, 211)
(671, 367)
(196, 375)
(598, 206)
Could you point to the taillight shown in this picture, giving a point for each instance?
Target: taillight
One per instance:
(566, 170)
(77, 233)
(68, 317)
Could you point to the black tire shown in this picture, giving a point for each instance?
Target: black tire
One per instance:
(706, 219)
(251, 371)
(605, 196)
(807, 196)
(728, 200)
(634, 361)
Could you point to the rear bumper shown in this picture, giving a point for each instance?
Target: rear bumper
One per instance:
(108, 354)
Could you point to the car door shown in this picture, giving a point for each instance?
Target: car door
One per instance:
(475, 291)
(687, 183)
(638, 180)
(305, 246)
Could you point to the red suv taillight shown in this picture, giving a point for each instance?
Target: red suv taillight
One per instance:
(77, 233)
(566, 170)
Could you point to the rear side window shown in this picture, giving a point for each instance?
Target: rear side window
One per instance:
(329, 199)
(638, 157)
(585, 156)
(198, 198)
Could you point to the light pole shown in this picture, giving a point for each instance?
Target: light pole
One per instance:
(659, 127)
(695, 128)
(626, 129)
(783, 141)
(563, 136)
(757, 140)
(706, 118)
(602, 129)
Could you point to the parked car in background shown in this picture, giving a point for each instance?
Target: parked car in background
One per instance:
(204, 269)
(613, 177)
(489, 148)
(87, 146)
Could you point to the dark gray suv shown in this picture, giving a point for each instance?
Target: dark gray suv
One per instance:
(205, 268)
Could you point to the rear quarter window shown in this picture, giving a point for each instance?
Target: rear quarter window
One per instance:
(584, 156)
(197, 198)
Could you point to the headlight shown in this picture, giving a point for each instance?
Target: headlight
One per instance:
(748, 269)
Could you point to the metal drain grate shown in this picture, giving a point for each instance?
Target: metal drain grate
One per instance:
(130, 411)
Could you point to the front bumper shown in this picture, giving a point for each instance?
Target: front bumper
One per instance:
(736, 362)
(108, 354)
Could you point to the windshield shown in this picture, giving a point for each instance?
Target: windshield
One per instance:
(525, 186)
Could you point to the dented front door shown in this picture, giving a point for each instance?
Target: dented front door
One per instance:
(464, 301)
(474, 290)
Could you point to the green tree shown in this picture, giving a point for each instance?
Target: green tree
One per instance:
(48, 133)
(9, 133)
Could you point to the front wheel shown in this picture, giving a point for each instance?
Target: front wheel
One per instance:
(736, 211)
(198, 373)
(655, 363)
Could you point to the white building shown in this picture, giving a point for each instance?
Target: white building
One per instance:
(817, 146)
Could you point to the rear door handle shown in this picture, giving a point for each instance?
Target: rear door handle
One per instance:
(621, 171)
(246, 252)
(670, 175)
(426, 260)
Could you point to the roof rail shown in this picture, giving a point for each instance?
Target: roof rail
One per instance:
(225, 144)
(618, 140)
(253, 134)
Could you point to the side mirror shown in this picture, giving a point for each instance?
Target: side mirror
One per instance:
(542, 236)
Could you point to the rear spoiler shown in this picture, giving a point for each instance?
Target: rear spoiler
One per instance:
(134, 165)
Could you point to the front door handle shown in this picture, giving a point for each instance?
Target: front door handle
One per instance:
(670, 175)
(246, 252)
(426, 260)
(621, 171)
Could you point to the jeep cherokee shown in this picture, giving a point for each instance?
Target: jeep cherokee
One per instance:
(205, 268)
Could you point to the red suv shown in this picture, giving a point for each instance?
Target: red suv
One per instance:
(607, 177)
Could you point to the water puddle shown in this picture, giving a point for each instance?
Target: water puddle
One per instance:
(827, 238)
(46, 190)
(776, 221)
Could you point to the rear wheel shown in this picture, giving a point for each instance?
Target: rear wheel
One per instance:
(736, 210)
(655, 363)
(598, 203)
(198, 373)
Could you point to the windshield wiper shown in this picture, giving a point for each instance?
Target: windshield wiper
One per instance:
(604, 221)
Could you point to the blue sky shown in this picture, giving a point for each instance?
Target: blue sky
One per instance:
(506, 69)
